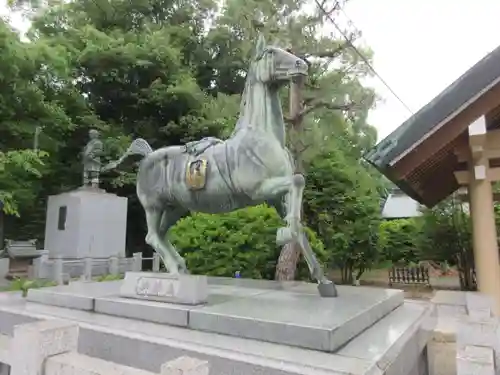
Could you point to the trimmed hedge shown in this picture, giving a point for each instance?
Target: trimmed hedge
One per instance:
(242, 241)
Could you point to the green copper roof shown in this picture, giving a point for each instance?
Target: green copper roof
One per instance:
(470, 84)
(464, 89)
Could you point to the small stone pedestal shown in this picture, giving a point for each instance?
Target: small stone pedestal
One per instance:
(164, 287)
(86, 223)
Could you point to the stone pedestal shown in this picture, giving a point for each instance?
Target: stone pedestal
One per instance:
(86, 223)
(163, 287)
(245, 327)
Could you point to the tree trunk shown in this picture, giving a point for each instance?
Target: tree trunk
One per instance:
(2, 227)
(287, 263)
(290, 253)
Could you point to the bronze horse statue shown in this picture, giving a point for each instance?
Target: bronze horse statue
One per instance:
(251, 167)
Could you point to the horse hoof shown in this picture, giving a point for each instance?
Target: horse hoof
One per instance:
(182, 269)
(284, 236)
(327, 289)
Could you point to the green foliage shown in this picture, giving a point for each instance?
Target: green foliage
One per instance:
(243, 240)
(153, 69)
(445, 237)
(17, 170)
(108, 278)
(398, 240)
(24, 285)
(445, 232)
(342, 206)
(27, 101)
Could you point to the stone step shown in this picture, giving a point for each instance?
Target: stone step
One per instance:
(392, 346)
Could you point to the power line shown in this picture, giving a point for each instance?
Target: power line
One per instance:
(358, 52)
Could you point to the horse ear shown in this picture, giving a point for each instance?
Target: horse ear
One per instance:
(261, 45)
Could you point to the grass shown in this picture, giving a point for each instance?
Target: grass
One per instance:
(108, 278)
(23, 285)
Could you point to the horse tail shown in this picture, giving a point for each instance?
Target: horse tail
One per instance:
(138, 147)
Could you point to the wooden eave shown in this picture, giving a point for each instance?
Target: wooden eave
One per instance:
(419, 156)
(429, 167)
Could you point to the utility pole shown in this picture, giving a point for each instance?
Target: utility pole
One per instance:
(2, 226)
(290, 254)
(38, 130)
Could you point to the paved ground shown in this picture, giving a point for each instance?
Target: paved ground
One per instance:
(379, 278)
(4, 283)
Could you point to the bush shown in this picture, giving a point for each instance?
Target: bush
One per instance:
(398, 240)
(243, 240)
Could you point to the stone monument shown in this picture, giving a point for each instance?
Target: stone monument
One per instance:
(87, 222)
(252, 167)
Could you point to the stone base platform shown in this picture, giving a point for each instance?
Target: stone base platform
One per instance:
(247, 327)
(291, 314)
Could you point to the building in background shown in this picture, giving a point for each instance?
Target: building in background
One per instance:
(398, 205)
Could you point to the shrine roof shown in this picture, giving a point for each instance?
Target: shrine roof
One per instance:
(423, 145)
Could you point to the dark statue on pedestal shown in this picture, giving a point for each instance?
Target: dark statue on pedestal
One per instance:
(92, 160)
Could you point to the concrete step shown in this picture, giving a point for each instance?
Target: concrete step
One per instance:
(393, 345)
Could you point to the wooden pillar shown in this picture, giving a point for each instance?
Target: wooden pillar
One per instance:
(483, 216)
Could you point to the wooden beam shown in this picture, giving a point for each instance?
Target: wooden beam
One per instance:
(464, 197)
(448, 131)
(477, 137)
(491, 147)
(464, 177)
(464, 154)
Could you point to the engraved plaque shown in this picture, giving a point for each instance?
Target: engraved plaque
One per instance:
(61, 219)
(161, 287)
(148, 286)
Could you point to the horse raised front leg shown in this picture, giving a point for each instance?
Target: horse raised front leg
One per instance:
(294, 210)
(294, 233)
(275, 188)
(153, 239)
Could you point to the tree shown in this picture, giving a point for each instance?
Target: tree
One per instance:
(128, 69)
(446, 236)
(342, 206)
(29, 100)
(335, 73)
(36, 95)
(398, 240)
(172, 71)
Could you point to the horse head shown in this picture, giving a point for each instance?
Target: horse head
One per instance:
(274, 65)
(260, 107)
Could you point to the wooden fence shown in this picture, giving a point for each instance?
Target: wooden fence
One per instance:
(409, 275)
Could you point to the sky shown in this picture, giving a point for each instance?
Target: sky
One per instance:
(420, 47)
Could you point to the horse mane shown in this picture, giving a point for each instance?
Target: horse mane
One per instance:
(243, 101)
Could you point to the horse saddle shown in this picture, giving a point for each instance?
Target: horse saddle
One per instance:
(196, 148)
(196, 174)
